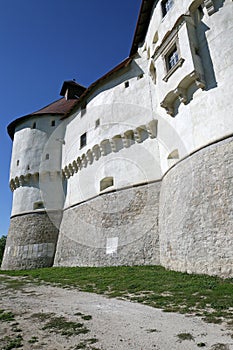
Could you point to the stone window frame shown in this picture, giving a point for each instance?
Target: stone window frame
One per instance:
(174, 44)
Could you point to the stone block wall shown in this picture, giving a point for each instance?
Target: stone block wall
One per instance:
(31, 242)
(196, 212)
(116, 228)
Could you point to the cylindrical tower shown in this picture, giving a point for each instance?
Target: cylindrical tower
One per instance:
(35, 164)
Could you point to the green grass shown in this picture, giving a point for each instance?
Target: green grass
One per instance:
(60, 324)
(184, 336)
(8, 343)
(6, 316)
(202, 295)
(33, 340)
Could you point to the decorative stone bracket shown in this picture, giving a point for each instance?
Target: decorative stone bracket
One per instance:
(30, 179)
(114, 144)
(181, 92)
(105, 147)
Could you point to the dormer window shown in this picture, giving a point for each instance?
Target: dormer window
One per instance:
(166, 6)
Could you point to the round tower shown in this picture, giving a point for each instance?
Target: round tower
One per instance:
(35, 164)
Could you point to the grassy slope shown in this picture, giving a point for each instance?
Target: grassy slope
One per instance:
(206, 296)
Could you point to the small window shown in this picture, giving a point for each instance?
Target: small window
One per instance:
(105, 183)
(97, 123)
(83, 140)
(172, 58)
(28, 167)
(126, 84)
(34, 125)
(52, 122)
(38, 205)
(17, 163)
(140, 76)
(47, 156)
(166, 6)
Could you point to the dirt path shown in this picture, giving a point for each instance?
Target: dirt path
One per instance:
(102, 323)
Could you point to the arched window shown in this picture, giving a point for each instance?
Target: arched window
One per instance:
(106, 182)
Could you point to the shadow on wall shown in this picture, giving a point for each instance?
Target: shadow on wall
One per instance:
(202, 28)
(218, 4)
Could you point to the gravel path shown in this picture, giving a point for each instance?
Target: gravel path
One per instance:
(115, 324)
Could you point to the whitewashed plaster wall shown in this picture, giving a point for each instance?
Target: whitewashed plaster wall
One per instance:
(207, 115)
(30, 148)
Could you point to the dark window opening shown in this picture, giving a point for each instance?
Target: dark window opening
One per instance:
(17, 163)
(34, 125)
(38, 205)
(166, 6)
(105, 183)
(126, 84)
(83, 140)
(47, 156)
(28, 167)
(140, 76)
(97, 123)
(53, 123)
(172, 58)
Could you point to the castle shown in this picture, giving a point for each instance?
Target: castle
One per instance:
(137, 168)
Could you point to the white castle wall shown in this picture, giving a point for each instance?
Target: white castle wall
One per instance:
(149, 119)
(31, 148)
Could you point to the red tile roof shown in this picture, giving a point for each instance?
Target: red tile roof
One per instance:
(60, 107)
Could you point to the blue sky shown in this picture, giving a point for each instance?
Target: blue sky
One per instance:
(46, 42)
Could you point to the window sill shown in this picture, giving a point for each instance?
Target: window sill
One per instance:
(173, 69)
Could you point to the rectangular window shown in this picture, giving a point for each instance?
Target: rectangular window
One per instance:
(166, 6)
(97, 123)
(38, 205)
(83, 140)
(52, 122)
(171, 58)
